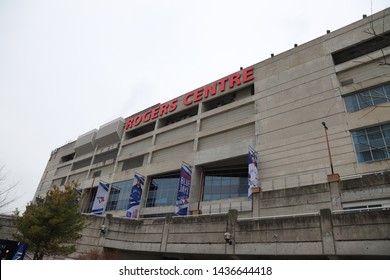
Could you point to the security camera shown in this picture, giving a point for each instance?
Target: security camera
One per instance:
(228, 237)
(103, 229)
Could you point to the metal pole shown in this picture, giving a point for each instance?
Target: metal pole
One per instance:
(327, 143)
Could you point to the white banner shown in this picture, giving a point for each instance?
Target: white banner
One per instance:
(100, 199)
(253, 181)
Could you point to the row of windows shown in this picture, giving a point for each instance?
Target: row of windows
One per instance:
(369, 97)
(193, 111)
(370, 143)
(163, 190)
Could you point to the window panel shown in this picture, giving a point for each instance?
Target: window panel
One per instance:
(163, 190)
(371, 143)
(374, 129)
(377, 144)
(379, 154)
(387, 90)
(362, 147)
(119, 195)
(351, 103)
(386, 130)
(363, 99)
(378, 95)
(365, 156)
(225, 184)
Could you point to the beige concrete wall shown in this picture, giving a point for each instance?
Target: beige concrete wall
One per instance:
(294, 92)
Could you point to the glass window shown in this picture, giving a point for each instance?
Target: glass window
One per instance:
(363, 99)
(163, 190)
(119, 195)
(224, 184)
(351, 103)
(387, 90)
(378, 95)
(372, 143)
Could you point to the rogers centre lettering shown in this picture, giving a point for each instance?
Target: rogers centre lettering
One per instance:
(192, 97)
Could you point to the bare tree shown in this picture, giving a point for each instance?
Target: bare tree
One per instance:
(7, 191)
(380, 35)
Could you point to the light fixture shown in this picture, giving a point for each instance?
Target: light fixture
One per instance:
(228, 238)
(103, 229)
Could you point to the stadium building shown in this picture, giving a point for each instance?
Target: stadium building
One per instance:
(316, 118)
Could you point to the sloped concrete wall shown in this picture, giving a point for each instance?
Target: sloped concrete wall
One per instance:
(328, 234)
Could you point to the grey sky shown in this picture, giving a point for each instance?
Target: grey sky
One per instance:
(67, 67)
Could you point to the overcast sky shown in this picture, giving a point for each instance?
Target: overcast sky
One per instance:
(67, 67)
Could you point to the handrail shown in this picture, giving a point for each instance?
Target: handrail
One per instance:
(280, 216)
(360, 209)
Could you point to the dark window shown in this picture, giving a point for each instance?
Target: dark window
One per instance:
(133, 162)
(141, 130)
(229, 98)
(362, 207)
(67, 158)
(82, 163)
(106, 156)
(96, 174)
(362, 48)
(182, 115)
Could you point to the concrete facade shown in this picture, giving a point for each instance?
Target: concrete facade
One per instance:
(275, 106)
(320, 234)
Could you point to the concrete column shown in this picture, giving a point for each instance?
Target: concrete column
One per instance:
(256, 198)
(165, 233)
(196, 185)
(328, 245)
(231, 228)
(335, 195)
(104, 228)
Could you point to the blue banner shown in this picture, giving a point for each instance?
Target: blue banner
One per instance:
(100, 199)
(253, 181)
(183, 194)
(20, 251)
(135, 197)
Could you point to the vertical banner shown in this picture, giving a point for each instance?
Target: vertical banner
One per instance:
(20, 251)
(183, 193)
(100, 199)
(135, 197)
(253, 181)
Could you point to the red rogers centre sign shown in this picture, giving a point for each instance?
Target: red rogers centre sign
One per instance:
(192, 97)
